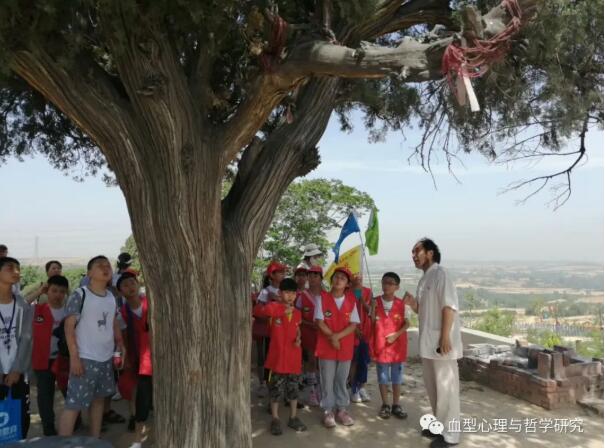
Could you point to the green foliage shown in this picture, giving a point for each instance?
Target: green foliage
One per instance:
(496, 321)
(593, 347)
(130, 246)
(535, 307)
(308, 210)
(471, 302)
(545, 338)
(31, 276)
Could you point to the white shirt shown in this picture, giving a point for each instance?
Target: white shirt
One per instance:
(266, 293)
(138, 312)
(436, 291)
(94, 332)
(319, 314)
(387, 305)
(307, 293)
(16, 289)
(8, 336)
(58, 315)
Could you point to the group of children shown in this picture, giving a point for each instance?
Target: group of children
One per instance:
(86, 345)
(100, 338)
(323, 341)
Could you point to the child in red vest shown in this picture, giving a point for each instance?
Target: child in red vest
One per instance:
(358, 375)
(138, 370)
(306, 303)
(337, 318)
(45, 352)
(389, 343)
(274, 274)
(285, 357)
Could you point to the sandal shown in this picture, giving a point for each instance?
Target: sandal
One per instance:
(112, 416)
(276, 427)
(398, 412)
(385, 411)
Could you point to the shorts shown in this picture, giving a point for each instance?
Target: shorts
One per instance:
(144, 398)
(284, 383)
(390, 373)
(96, 382)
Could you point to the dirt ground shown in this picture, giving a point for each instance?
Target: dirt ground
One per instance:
(477, 402)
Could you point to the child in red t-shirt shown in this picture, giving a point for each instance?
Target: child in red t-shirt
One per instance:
(274, 274)
(388, 344)
(284, 358)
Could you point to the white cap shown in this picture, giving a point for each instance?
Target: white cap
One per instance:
(311, 250)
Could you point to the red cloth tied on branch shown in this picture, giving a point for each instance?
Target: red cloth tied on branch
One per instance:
(276, 44)
(460, 62)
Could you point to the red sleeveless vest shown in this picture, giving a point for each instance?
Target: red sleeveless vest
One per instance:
(386, 324)
(141, 331)
(284, 356)
(41, 334)
(336, 320)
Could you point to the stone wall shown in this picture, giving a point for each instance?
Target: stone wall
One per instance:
(548, 378)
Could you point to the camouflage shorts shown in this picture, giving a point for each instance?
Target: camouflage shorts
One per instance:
(281, 383)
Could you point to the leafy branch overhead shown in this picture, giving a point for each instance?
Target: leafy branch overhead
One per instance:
(243, 66)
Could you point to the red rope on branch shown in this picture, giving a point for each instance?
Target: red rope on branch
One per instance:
(276, 44)
(474, 61)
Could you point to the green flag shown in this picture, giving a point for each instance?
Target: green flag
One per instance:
(372, 233)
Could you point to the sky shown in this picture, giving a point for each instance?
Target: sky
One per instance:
(471, 220)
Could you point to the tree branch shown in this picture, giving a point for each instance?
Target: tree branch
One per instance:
(411, 60)
(395, 15)
(562, 191)
(89, 100)
(290, 151)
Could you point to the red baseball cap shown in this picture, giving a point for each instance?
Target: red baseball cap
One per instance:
(300, 269)
(316, 269)
(345, 271)
(274, 266)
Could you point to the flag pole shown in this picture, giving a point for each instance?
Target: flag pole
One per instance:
(364, 259)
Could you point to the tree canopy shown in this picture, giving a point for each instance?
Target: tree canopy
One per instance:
(546, 92)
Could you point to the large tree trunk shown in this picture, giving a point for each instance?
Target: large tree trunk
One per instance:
(197, 254)
(199, 319)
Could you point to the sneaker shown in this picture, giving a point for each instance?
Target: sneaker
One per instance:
(296, 424)
(276, 427)
(355, 397)
(344, 418)
(313, 397)
(364, 395)
(328, 420)
(136, 445)
(262, 391)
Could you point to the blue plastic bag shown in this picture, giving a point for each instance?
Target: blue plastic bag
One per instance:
(10, 420)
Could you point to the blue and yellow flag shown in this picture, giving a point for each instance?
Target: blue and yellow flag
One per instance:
(351, 259)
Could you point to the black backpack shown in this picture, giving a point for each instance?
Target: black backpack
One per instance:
(59, 332)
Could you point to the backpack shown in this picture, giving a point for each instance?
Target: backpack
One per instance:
(59, 332)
